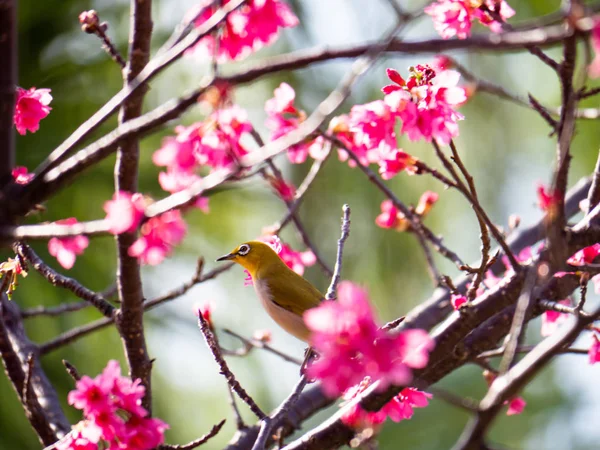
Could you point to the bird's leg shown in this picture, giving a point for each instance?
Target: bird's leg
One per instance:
(309, 354)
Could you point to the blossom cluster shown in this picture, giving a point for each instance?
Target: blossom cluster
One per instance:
(455, 17)
(113, 414)
(252, 26)
(351, 346)
(401, 407)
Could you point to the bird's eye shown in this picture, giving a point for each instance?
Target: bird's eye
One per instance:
(243, 250)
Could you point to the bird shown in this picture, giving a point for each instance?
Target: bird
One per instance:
(283, 293)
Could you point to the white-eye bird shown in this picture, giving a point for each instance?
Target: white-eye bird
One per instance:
(284, 294)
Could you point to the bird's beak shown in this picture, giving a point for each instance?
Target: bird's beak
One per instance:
(226, 257)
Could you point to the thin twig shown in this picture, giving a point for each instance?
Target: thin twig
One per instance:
(57, 279)
(198, 442)
(229, 376)
(253, 343)
(335, 279)
(517, 328)
(71, 370)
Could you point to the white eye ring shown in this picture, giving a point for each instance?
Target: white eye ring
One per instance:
(243, 250)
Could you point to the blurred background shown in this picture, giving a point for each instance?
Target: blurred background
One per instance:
(506, 147)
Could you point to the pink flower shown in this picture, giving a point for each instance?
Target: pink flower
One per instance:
(205, 309)
(454, 17)
(31, 106)
(594, 352)
(283, 117)
(21, 175)
(373, 127)
(389, 217)
(124, 212)
(158, 236)
(396, 161)
(425, 103)
(114, 416)
(426, 202)
(457, 301)
(286, 191)
(551, 320)
(339, 127)
(547, 199)
(398, 409)
(516, 406)
(177, 153)
(351, 346)
(594, 68)
(76, 441)
(66, 249)
(297, 261)
(220, 143)
(249, 28)
(585, 256)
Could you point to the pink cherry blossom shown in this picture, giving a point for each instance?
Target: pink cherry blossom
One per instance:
(455, 17)
(285, 190)
(297, 261)
(351, 346)
(283, 117)
(339, 127)
(401, 407)
(113, 414)
(585, 256)
(158, 236)
(21, 175)
(395, 161)
(594, 68)
(547, 199)
(515, 406)
(425, 103)
(66, 249)
(177, 153)
(124, 212)
(220, 143)
(75, 440)
(249, 28)
(389, 215)
(457, 301)
(373, 127)
(426, 202)
(205, 309)
(594, 351)
(31, 106)
(551, 320)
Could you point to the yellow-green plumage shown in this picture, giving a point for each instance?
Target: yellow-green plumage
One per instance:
(284, 294)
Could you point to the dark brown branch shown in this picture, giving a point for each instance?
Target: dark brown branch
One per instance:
(8, 82)
(18, 353)
(224, 368)
(198, 442)
(508, 385)
(593, 197)
(130, 320)
(57, 279)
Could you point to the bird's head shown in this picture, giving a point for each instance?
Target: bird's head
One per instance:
(252, 256)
